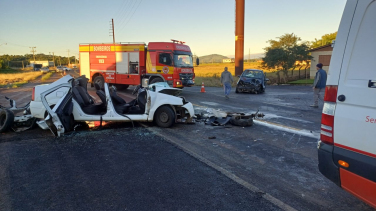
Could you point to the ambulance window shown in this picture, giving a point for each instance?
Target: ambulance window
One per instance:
(165, 58)
(363, 58)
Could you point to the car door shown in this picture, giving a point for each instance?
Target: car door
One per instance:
(59, 119)
(355, 114)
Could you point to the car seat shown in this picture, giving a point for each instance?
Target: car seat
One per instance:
(100, 93)
(85, 101)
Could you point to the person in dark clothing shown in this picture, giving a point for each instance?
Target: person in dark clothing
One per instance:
(226, 81)
(319, 85)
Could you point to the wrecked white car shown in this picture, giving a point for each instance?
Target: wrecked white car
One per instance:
(59, 105)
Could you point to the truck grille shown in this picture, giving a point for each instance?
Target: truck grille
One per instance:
(186, 76)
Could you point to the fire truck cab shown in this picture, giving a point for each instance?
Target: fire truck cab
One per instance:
(125, 64)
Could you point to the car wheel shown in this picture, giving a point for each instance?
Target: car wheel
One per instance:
(6, 120)
(156, 80)
(99, 80)
(237, 90)
(261, 90)
(164, 116)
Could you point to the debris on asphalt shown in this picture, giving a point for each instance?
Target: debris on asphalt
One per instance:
(221, 118)
(212, 137)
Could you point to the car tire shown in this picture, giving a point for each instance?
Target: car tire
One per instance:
(164, 116)
(6, 120)
(156, 80)
(242, 122)
(99, 80)
(237, 90)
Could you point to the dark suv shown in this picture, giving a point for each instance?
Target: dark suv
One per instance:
(251, 81)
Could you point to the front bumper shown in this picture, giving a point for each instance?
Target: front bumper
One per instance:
(326, 165)
(186, 79)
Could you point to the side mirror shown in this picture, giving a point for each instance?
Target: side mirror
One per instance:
(197, 61)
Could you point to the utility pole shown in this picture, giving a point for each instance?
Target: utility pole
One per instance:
(68, 59)
(33, 51)
(53, 57)
(113, 31)
(239, 36)
(249, 55)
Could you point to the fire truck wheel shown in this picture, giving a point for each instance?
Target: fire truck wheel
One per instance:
(99, 80)
(6, 120)
(156, 80)
(164, 116)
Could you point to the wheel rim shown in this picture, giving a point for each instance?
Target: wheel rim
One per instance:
(163, 117)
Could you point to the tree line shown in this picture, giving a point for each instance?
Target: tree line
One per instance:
(23, 60)
(288, 52)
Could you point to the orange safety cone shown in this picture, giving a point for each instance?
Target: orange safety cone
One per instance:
(202, 87)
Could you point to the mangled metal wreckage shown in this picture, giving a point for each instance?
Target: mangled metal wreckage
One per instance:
(60, 105)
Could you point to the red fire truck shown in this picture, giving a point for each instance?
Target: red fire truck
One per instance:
(125, 64)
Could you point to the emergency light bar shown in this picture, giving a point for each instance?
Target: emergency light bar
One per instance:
(177, 41)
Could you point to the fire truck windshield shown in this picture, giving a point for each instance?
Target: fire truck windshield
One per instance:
(182, 60)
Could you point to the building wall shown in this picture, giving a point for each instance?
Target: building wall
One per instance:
(228, 60)
(316, 59)
(43, 63)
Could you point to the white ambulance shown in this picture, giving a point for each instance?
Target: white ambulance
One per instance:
(347, 146)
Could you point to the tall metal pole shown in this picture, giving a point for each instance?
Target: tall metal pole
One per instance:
(33, 50)
(249, 55)
(53, 57)
(113, 31)
(239, 36)
(68, 59)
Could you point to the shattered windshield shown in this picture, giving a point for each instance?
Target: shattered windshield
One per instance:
(253, 74)
(181, 60)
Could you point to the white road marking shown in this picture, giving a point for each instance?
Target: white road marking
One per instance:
(302, 132)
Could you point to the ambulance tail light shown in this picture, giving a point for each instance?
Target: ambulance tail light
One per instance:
(33, 94)
(327, 118)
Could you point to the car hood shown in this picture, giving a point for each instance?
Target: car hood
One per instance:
(247, 79)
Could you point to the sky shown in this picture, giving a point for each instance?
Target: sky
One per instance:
(207, 26)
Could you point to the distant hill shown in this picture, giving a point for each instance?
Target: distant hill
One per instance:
(253, 56)
(213, 58)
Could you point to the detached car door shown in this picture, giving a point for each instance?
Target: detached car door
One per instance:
(59, 118)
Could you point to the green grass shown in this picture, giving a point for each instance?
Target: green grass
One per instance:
(13, 78)
(212, 81)
(5, 71)
(303, 81)
(47, 76)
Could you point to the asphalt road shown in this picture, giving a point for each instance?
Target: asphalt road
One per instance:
(271, 165)
(277, 156)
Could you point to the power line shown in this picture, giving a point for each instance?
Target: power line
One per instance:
(126, 12)
(133, 13)
(118, 14)
(125, 20)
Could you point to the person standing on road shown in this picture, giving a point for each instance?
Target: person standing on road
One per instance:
(226, 81)
(318, 85)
